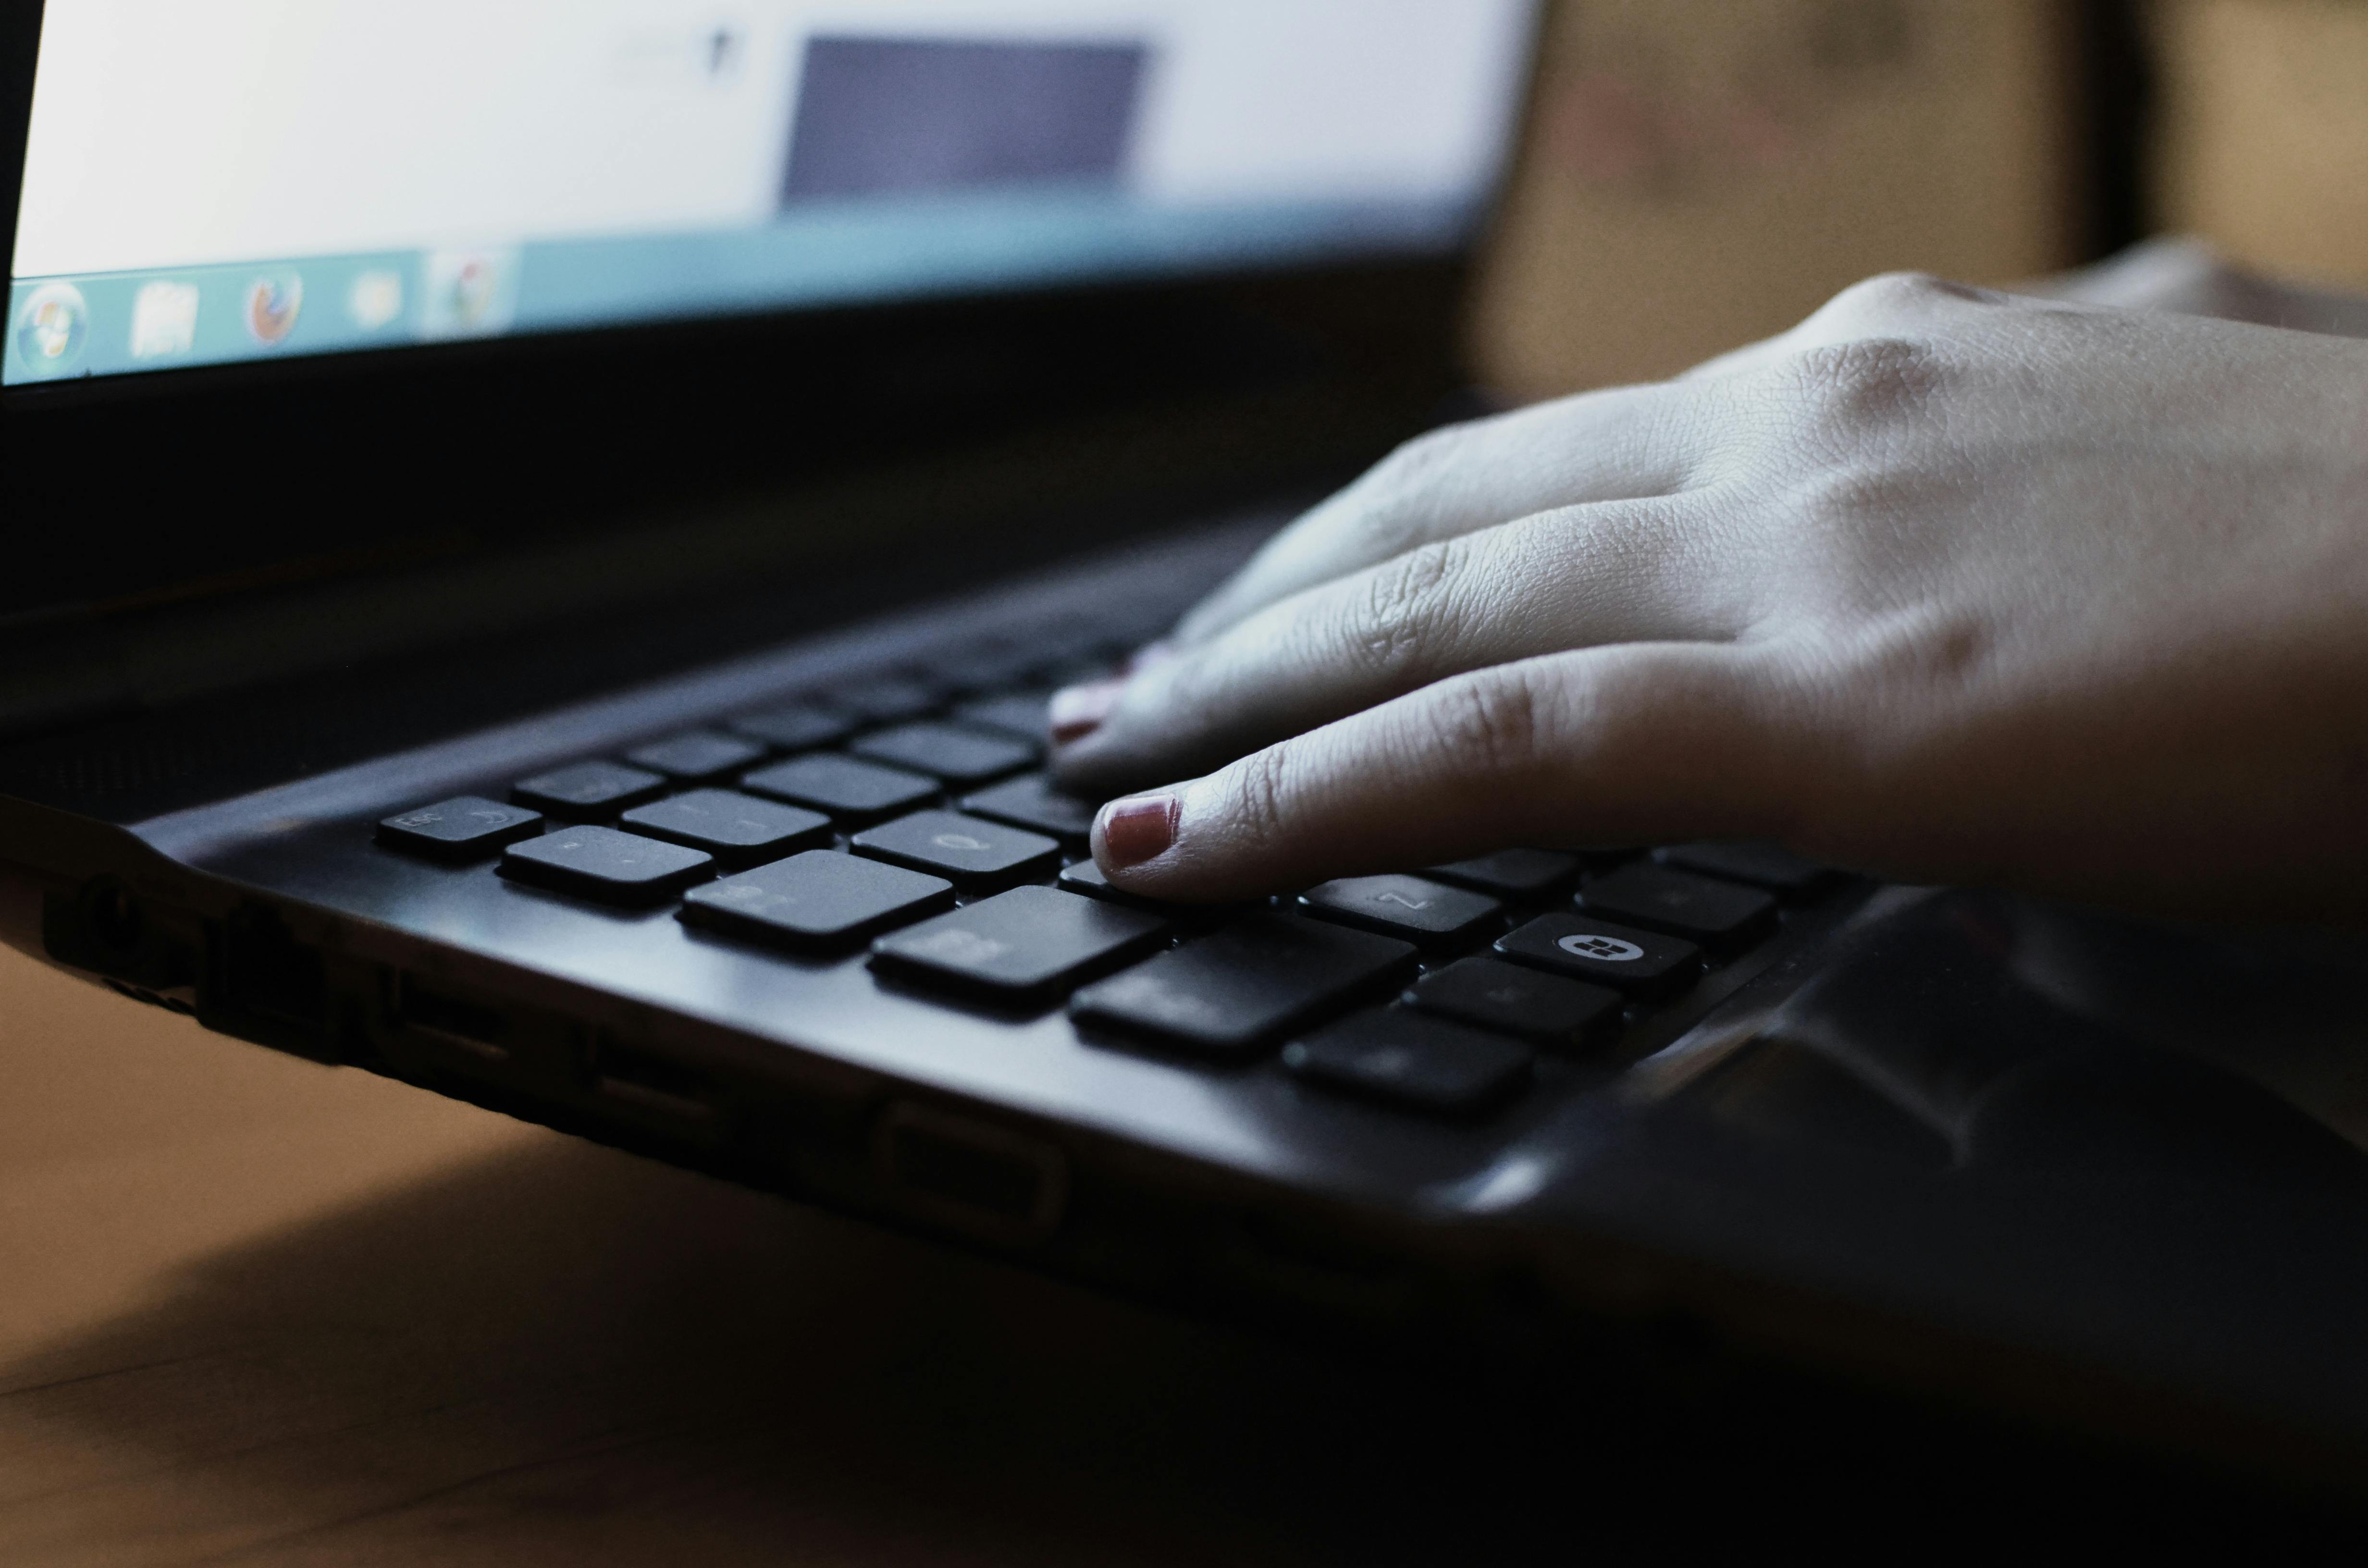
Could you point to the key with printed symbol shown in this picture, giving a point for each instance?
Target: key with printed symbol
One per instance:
(818, 900)
(969, 851)
(1411, 908)
(1547, 1009)
(948, 752)
(1035, 802)
(851, 791)
(1632, 962)
(1028, 945)
(586, 790)
(796, 726)
(1412, 1061)
(467, 827)
(1720, 915)
(603, 864)
(1234, 992)
(697, 756)
(738, 830)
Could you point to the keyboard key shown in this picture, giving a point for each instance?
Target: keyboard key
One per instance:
(816, 899)
(1507, 999)
(799, 727)
(1718, 915)
(587, 790)
(602, 863)
(850, 791)
(1019, 713)
(738, 830)
(1520, 874)
(1581, 947)
(884, 699)
(987, 666)
(695, 756)
(1086, 877)
(466, 827)
(1407, 907)
(1234, 992)
(957, 755)
(1413, 1061)
(1024, 946)
(971, 852)
(1765, 866)
(1032, 800)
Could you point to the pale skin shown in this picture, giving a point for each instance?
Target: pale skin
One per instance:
(1945, 584)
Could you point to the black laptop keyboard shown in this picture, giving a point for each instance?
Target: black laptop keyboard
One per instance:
(908, 812)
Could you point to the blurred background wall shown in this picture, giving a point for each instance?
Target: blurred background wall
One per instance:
(1696, 173)
(2261, 119)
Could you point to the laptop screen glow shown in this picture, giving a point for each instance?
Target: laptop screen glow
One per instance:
(217, 180)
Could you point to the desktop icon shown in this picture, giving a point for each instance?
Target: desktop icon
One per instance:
(164, 319)
(271, 307)
(51, 328)
(468, 293)
(375, 299)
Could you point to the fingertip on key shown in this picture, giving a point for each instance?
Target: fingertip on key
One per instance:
(1131, 831)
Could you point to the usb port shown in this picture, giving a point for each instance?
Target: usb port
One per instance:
(654, 1082)
(972, 1177)
(473, 1025)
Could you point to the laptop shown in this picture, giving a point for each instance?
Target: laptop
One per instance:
(539, 540)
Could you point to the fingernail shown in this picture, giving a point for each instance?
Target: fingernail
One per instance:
(1136, 829)
(1078, 710)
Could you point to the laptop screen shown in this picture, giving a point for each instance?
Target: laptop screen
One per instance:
(210, 181)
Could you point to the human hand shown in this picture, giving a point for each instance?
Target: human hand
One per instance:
(1943, 585)
(2188, 276)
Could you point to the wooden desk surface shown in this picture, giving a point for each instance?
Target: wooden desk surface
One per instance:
(259, 1312)
(256, 1311)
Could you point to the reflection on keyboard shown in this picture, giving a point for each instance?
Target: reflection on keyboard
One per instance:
(908, 811)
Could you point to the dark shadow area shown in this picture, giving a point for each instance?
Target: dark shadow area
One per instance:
(567, 1354)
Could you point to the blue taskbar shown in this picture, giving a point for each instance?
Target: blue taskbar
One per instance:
(828, 253)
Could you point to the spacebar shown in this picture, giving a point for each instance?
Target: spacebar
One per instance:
(1242, 988)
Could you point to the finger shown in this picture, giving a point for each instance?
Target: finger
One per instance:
(1635, 744)
(1620, 572)
(1623, 444)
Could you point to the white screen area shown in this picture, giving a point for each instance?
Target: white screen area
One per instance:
(183, 133)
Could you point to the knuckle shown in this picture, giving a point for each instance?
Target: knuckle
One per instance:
(1887, 296)
(1492, 719)
(1403, 618)
(1846, 390)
